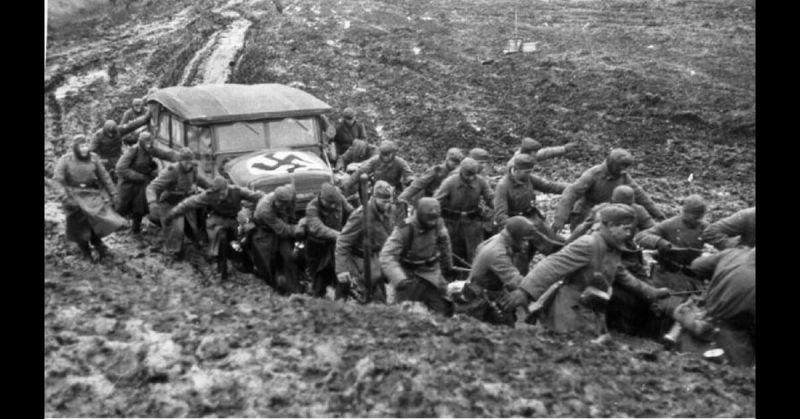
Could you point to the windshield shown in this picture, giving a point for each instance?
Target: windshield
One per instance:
(273, 134)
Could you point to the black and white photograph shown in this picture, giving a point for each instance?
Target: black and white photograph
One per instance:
(405, 208)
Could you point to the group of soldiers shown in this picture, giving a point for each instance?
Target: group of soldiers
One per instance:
(413, 236)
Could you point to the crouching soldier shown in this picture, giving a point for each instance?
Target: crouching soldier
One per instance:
(135, 170)
(427, 184)
(107, 141)
(736, 230)
(516, 195)
(325, 217)
(728, 320)
(271, 243)
(494, 273)
(223, 202)
(173, 185)
(577, 281)
(350, 251)
(415, 255)
(89, 218)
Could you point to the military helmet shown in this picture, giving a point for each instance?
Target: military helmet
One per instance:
(622, 194)
(284, 193)
(479, 154)
(617, 214)
(428, 210)
(469, 166)
(520, 228)
(387, 146)
(383, 190)
(524, 162)
(529, 145)
(694, 204)
(218, 184)
(455, 155)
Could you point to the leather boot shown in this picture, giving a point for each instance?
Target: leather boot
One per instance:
(86, 251)
(101, 247)
(136, 225)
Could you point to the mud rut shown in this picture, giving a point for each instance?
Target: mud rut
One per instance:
(143, 335)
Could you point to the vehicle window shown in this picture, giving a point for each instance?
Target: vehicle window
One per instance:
(177, 132)
(198, 139)
(163, 128)
(291, 133)
(241, 136)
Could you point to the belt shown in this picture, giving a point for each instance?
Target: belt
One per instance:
(456, 215)
(418, 263)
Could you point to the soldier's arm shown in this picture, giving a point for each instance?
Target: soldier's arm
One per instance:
(644, 200)
(95, 140)
(704, 266)
(103, 176)
(722, 234)
(189, 204)
(390, 256)
(164, 154)
(60, 171)
(571, 194)
(645, 220)
(267, 216)
(362, 131)
(202, 181)
(407, 173)
(250, 195)
(550, 152)
(548, 186)
(124, 170)
(582, 228)
(557, 266)
(632, 283)
(417, 186)
(652, 238)
(347, 240)
(316, 227)
(159, 184)
(367, 167)
(504, 268)
(443, 243)
(346, 158)
(443, 193)
(486, 192)
(134, 124)
(501, 203)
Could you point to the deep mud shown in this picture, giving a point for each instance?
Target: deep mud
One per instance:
(142, 335)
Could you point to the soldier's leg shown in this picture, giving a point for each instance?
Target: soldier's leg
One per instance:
(173, 232)
(98, 244)
(261, 249)
(223, 251)
(473, 236)
(424, 292)
(291, 283)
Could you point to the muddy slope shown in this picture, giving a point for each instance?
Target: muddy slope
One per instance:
(142, 335)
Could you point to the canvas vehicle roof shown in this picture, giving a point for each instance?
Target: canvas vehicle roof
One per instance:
(210, 103)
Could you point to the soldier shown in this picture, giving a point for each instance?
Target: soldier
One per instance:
(89, 218)
(622, 194)
(729, 315)
(483, 158)
(516, 195)
(415, 255)
(348, 130)
(459, 198)
(595, 186)
(136, 110)
(107, 142)
(136, 169)
(358, 152)
(350, 252)
(223, 202)
(386, 166)
(494, 273)
(722, 234)
(587, 269)
(426, 185)
(271, 243)
(675, 238)
(325, 216)
(173, 185)
(534, 148)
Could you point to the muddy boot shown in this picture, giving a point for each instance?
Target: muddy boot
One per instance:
(102, 250)
(136, 224)
(86, 251)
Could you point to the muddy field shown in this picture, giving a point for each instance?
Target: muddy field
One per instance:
(142, 335)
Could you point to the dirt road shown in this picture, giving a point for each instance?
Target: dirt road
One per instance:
(146, 336)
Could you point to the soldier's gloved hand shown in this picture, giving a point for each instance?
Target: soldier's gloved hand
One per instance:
(514, 299)
(299, 231)
(343, 277)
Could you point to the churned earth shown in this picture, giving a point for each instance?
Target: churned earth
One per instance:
(142, 335)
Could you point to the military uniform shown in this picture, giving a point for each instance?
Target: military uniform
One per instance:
(359, 151)
(396, 172)
(324, 225)
(108, 145)
(173, 185)
(513, 197)
(544, 153)
(88, 217)
(595, 186)
(350, 252)
(674, 232)
(135, 170)
(427, 184)
(419, 255)
(460, 202)
(221, 223)
(730, 301)
(271, 243)
(722, 234)
(346, 134)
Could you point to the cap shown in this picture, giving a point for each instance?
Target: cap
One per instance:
(619, 154)
(694, 204)
(617, 214)
(328, 192)
(529, 145)
(349, 113)
(138, 101)
(479, 154)
(469, 166)
(383, 190)
(218, 184)
(387, 146)
(284, 193)
(623, 194)
(109, 124)
(145, 136)
(454, 154)
(524, 162)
